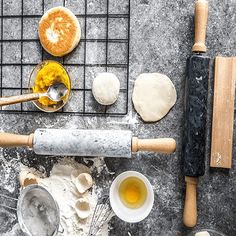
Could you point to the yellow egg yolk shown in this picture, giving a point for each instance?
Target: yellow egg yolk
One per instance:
(132, 192)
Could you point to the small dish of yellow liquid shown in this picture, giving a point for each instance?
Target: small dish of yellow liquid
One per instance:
(44, 75)
(131, 196)
(133, 192)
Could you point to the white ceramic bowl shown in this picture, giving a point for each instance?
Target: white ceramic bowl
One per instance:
(123, 212)
(210, 231)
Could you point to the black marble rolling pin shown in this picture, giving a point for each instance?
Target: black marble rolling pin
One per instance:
(79, 142)
(195, 114)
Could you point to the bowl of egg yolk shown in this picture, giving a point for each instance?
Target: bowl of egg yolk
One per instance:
(43, 76)
(131, 196)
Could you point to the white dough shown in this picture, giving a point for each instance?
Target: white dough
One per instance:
(82, 208)
(203, 233)
(106, 87)
(83, 182)
(26, 178)
(153, 96)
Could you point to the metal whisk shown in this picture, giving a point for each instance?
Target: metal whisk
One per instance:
(9, 199)
(101, 215)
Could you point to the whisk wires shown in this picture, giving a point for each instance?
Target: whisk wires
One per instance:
(101, 215)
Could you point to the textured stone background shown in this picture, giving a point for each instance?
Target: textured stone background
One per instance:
(161, 40)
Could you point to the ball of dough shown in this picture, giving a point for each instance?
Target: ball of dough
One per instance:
(153, 96)
(59, 31)
(203, 233)
(106, 87)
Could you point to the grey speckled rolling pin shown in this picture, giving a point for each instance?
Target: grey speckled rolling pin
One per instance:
(106, 143)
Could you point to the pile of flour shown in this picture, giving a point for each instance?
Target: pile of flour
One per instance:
(60, 184)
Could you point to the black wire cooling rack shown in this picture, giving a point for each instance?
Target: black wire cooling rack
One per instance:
(104, 46)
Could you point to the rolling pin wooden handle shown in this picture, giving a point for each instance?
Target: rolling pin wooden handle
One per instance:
(190, 205)
(19, 98)
(201, 15)
(163, 145)
(16, 140)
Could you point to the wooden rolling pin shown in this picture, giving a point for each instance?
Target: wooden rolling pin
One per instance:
(105, 143)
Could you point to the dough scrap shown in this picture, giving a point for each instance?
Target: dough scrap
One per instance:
(105, 88)
(203, 233)
(82, 208)
(83, 182)
(26, 178)
(153, 96)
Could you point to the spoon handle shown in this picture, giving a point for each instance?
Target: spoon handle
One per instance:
(18, 99)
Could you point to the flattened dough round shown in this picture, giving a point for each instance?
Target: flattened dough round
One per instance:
(106, 87)
(153, 96)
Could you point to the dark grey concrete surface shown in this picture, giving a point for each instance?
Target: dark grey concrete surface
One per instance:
(161, 40)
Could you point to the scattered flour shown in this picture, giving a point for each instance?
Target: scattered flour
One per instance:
(60, 184)
(15, 231)
(99, 165)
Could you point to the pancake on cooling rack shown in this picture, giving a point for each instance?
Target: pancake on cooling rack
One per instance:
(59, 31)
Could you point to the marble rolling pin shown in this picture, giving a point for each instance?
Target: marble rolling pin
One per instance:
(196, 93)
(105, 143)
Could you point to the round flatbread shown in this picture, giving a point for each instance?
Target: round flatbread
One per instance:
(59, 31)
(153, 96)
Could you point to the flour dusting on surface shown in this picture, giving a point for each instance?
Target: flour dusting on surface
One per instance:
(98, 165)
(16, 230)
(61, 185)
